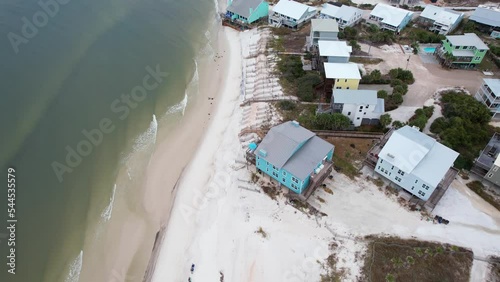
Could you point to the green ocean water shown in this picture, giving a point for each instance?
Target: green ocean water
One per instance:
(67, 77)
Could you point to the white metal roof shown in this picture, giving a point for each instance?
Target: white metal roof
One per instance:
(414, 152)
(497, 160)
(342, 70)
(334, 48)
(324, 25)
(346, 96)
(467, 39)
(344, 12)
(390, 15)
(330, 10)
(493, 84)
(292, 9)
(347, 12)
(440, 15)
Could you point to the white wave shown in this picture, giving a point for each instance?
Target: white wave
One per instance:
(179, 107)
(106, 214)
(196, 75)
(147, 138)
(75, 268)
(216, 3)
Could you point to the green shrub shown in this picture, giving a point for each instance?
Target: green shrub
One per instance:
(397, 124)
(290, 67)
(382, 94)
(405, 76)
(287, 105)
(385, 120)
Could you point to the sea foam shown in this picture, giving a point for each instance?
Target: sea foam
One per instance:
(75, 268)
(106, 214)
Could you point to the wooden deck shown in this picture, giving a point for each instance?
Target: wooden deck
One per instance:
(315, 181)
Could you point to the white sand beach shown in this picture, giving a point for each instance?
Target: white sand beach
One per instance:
(218, 210)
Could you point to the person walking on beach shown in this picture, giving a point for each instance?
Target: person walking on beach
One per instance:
(192, 268)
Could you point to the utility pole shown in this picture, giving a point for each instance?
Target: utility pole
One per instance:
(407, 62)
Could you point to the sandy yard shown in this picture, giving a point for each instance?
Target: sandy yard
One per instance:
(428, 77)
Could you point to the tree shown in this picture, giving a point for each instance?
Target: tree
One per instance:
(354, 44)
(334, 121)
(405, 76)
(382, 94)
(350, 33)
(385, 120)
(397, 124)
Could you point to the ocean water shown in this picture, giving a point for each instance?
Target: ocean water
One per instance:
(85, 87)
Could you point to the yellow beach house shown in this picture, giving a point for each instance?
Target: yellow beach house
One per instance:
(344, 75)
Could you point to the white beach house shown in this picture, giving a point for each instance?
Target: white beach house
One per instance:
(415, 161)
(290, 14)
(489, 94)
(362, 107)
(344, 15)
(323, 29)
(390, 18)
(334, 51)
(439, 19)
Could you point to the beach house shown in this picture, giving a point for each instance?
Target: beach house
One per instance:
(489, 94)
(461, 51)
(390, 18)
(487, 19)
(488, 163)
(344, 15)
(323, 29)
(362, 107)
(439, 20)
(416, 162)
(290, 14)
(247, 11)
(343, 75)
(294, 156)
(334, 51)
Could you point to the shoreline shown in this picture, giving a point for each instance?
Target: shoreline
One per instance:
(127, 243)
(202, 159)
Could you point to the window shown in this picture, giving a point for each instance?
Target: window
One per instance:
(347, 87)
(495, 168)
(490, 175)
(295, 180)
(367, 106)
(360, 107)
(392, 167)
(421, 193)
(412, 187)
(364, 113)
(338, 80)
(348, 113)
(283, 179)
(378, 167)
(345, 80)
(382, 170)
(456, 47)
(275, 174)
(274, 168)
(357, 118)
(381, 161)
(416, 181)
(338, 87)
(360, 110)
(284, 173)
(425, 187)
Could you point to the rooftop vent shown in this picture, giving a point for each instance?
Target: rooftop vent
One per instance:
(295, 123)
(263, 153)
(390, 155)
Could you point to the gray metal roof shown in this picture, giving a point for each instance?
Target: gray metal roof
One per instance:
(486, 16)
(242, 7)
(346, 96)
(324, 25)
(307, 158)
(282, 146)
(467, 39)
(417, 153)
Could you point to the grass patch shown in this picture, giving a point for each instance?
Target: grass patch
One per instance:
(321, 200)
(271, 191)
(328, 190)
(261, 232)
(366, 61)
(349, 154)
(377, 181)
(479, 189)
(333, 274)
(394, 259)
(494, 269)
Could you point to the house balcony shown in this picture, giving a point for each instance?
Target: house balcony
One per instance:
(315, 181)
(279, 20)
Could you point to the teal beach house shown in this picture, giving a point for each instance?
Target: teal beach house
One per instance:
(295, 157)
(247, 11)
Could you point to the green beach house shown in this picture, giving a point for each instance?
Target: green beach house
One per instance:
(461, 51)
(295, 157)
(247, 11)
